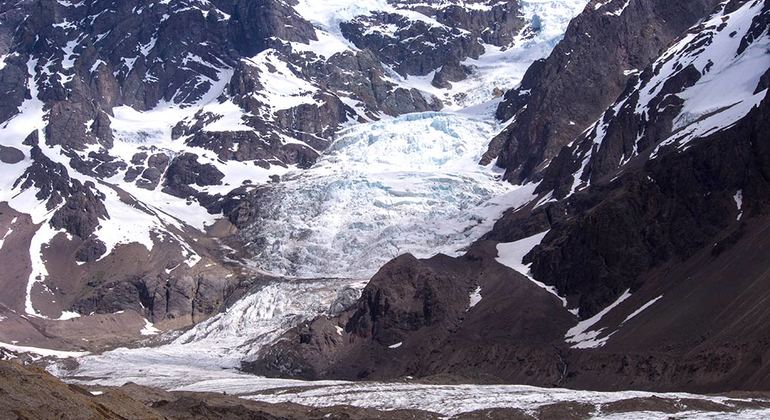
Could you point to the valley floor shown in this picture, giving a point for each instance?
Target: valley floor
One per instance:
(205, 360)
(444, 400)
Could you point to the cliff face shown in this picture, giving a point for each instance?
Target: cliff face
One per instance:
(564, 94)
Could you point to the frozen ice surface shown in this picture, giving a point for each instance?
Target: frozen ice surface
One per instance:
(411, 184)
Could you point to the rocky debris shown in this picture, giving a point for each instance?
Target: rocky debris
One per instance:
(254, 23)
(562, 95)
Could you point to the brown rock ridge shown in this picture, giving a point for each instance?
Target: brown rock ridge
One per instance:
(31, 393)
(414, 319)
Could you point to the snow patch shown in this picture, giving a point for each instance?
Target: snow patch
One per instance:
(60, 354)
(640, 310)
(583, 338)
(66, 315)
(149, 329)
(512, 255)
(475, 297)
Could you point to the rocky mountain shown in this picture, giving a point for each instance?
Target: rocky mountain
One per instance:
(145, 145)
(640, 260)
(559, 193)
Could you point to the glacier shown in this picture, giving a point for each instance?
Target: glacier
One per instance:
(410, 184)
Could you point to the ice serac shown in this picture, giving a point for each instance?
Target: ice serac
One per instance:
(562, 95)
(405, 185)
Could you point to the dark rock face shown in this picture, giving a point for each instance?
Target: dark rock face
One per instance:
(561, 96)
(414, 318)
(78, 206)
(665, 204)
(90, 251)
(675, 206)
(185, 170)
(428, 47)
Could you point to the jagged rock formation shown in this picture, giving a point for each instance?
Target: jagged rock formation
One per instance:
(562, 95)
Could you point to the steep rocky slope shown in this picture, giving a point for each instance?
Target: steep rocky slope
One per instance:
(647, 240)
(562, 95)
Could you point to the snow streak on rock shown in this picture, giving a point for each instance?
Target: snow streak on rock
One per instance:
(706, 82)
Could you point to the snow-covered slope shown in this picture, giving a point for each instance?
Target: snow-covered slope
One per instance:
(705, 83)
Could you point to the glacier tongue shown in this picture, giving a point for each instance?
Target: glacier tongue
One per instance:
(222, 341)
(405, 185)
